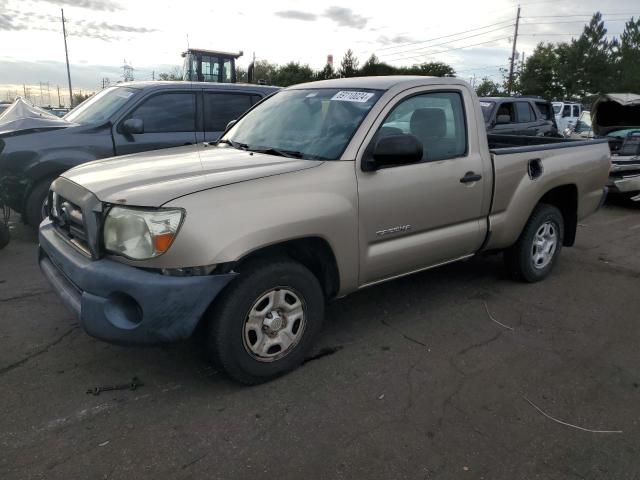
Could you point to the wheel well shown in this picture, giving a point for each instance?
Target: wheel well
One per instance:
(315, 253)
(565, 199)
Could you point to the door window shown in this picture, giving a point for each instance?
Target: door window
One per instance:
(221, 108)
(566, 111)
(435, 119)
(167, 112)
(576, 111)
(507, 109)
(524, 112)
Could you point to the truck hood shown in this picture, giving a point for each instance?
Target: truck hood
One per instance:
(154, 178)
(615, 111)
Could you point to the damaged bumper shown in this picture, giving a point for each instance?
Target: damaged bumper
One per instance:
(124, 304)
(625, 177)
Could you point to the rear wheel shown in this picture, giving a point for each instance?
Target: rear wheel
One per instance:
(36, 205)
(266, 321)
(535, 253)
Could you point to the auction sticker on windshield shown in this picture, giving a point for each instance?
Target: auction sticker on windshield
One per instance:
(351, 96)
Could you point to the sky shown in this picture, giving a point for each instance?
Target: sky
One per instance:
(474, 37)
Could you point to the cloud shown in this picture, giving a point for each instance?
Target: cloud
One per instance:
(345, 17)
(100, 5)
(398, 39)
(15, 20)
(297, 15)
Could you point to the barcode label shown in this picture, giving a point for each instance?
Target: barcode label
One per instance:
(350, 96)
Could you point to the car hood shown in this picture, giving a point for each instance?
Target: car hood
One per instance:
(615, 111)
(22, 117)
(156, 177)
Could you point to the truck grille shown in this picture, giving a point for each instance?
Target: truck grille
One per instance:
(69, 221)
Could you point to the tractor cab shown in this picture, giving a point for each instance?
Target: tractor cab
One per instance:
(209, 66)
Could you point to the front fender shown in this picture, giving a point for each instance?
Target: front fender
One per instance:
(227, 223)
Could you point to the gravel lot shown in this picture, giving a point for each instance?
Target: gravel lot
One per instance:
(411, 379)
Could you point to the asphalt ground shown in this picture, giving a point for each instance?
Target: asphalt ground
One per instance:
(455, 373)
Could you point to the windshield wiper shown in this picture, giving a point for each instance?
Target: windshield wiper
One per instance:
(238, 145)
(278, 151)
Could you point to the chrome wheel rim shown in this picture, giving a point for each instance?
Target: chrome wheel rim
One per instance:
(274, 325)
(545, 243)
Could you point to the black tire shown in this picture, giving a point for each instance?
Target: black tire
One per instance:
(519, 258)
(5, 235)
(34, 207)
(226, 334)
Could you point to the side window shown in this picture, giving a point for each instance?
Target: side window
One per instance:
(436, 119)
(507, 109)
(566, 111)
(576, 111)
(221, 108)
(167, 112)
(545, 110)
(524, 112)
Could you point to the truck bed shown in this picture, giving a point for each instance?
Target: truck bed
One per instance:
(505, 144)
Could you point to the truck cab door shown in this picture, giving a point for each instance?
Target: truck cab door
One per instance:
(161, 120)
(422, 214)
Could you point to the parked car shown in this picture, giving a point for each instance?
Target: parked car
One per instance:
(129, 118)
(4, 106)
(518, 116)
(616, 117)
(319, 191)
(567, 114)
(582, 128)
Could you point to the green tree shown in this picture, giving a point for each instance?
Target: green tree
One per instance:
(431, 69)
(80, 97)
(327, 73)
(348, 65)
(264, 72)
(628, 58)
(241, 75)
(292, 73)
(539, 75)
(373, 67)
(172, 75)
(488, 88)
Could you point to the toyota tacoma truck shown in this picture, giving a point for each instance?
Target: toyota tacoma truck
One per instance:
(316, 192)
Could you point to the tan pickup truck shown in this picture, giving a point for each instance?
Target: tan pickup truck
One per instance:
(318, 191)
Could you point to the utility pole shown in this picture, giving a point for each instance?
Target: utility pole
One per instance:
(24, 89)
(66, 53)
(41, 94)
(513, 53)
(59, 102)
(153, 74)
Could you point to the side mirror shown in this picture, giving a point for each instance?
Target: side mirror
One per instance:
(133, 125)
(394, 150)
(231, 124)
(503, 119)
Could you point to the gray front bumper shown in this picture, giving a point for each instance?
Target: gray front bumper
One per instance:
(124, 304)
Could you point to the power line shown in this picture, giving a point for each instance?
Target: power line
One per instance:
(444, 36)
(569, 21)
(446, 43)
(589, 15)
(449, 49)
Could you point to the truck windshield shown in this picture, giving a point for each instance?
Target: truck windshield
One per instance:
(310, 123)
(99, 108)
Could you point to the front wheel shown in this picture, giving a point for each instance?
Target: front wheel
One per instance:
(36, 205)
(266, 321)
(535, 253)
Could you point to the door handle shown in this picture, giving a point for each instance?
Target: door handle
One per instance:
(470, 177)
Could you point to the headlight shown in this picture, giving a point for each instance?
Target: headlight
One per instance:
(141, 234)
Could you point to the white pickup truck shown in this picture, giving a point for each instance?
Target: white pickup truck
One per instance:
(318, 191)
